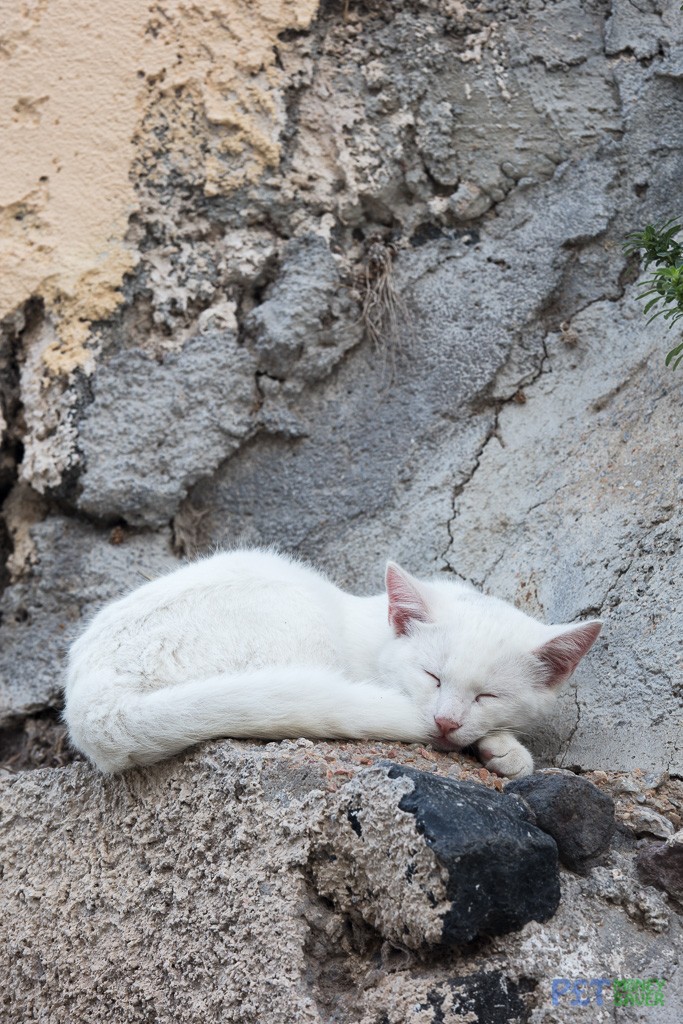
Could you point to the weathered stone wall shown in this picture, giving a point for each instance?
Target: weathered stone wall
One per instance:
(201, 210)
(292, 883)
(347, 278)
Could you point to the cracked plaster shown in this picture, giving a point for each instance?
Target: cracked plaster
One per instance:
(592, 532)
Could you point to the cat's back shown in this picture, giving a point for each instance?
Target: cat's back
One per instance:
(234, 606)
(253, 566)
(226, 578)
(227, 572)
(238, 576)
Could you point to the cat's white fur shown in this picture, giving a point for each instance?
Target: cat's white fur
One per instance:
(251, 643)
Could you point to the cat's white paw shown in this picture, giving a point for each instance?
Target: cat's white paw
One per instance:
(503, 754)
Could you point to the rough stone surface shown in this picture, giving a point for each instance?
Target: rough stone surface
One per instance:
(347, 278)
(661, 864)
(578, 815)
(159, 423)
(301, 329)
(480, 867)
(185, 893)
(370, 861)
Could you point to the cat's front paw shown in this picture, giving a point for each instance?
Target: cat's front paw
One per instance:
(503, 754)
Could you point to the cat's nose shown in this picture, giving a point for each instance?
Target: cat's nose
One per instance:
(446, 725)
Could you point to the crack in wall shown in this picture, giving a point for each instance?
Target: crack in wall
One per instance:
(525, 381)
(13, 332)
(563, 753)
(550, 316)
(599, 608)
(457, 491)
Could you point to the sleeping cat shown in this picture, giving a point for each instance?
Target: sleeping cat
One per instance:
(251, 643)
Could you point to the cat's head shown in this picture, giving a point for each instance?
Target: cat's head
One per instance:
(474, 664)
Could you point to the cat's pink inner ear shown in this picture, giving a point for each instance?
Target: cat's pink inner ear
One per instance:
(406, 602)
(563, 653)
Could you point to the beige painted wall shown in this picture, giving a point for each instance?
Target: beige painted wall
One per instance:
(80, 88)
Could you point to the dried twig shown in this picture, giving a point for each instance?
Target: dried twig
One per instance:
(385, 315)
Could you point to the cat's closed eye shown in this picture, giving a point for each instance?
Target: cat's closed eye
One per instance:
(480, 696)
(438, 681)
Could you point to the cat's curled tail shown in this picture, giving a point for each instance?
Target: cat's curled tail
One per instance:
(119, 724)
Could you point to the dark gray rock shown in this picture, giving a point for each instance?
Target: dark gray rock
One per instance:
(661, 865)
(431, 863)
(487, 997)
(502, 870)
(309, 318)
(578, 815)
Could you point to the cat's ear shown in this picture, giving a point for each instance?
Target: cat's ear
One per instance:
(406, 601)
(562, 653)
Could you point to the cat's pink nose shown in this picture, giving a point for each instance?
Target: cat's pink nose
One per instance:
(446, 725)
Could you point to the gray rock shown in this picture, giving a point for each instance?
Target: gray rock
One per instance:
(620, 886)
(661, 864)
(478, 868)
(641, 31)
(308, 319)
(185, 892)
(628, 785)
(468, 201)
(157, 426)
(645, 822)
(578, 815)
(653, 780)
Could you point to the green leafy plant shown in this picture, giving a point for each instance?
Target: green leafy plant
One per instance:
(663, 293)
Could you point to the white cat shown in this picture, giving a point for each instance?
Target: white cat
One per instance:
(254, 644)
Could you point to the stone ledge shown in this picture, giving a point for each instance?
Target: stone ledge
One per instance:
(187, 893)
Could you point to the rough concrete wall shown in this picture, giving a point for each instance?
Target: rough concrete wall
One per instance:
(196, 228)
